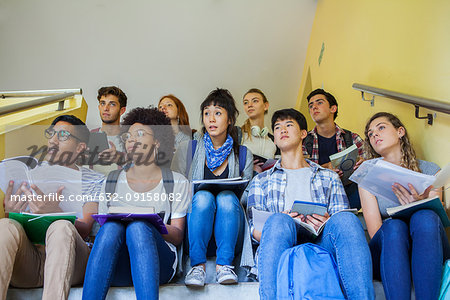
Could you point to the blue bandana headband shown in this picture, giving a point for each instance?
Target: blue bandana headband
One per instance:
(215, 158)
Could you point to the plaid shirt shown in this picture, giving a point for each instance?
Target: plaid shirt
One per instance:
(339, 142)
(267, 190)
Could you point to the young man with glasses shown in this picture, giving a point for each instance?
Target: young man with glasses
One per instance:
(112, 104)
(61, 262)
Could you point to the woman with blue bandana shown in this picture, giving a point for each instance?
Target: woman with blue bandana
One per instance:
(216, 155)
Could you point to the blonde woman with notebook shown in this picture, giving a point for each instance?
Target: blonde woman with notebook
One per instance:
(402, 249)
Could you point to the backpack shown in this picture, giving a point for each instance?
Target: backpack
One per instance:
(309, 140)
(167, 176)
(445, 283)
(193, 146)
(308, 272)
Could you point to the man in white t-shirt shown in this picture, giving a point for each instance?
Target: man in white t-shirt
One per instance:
(295, 178)
(61, 262)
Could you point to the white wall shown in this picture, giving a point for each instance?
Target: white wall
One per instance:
(151, 48)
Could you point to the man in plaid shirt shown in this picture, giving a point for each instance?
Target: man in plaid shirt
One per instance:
(327, 138)
(295, 178)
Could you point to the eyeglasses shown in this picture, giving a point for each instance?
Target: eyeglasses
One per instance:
(63, 135)
(137, 134)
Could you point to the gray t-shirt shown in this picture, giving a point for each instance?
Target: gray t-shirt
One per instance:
(298, 186)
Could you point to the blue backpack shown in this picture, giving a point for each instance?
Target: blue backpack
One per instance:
(308, 272)
(445, 283)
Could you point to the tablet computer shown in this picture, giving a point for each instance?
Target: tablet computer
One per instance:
(98, 142)
(309, 208)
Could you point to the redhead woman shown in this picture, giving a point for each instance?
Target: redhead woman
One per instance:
(174, 109)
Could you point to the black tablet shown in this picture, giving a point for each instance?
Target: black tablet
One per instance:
(97, 143)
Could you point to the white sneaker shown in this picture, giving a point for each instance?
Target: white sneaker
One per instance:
(226, 275)
(195, 277)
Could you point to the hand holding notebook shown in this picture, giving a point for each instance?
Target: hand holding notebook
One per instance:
(432, 203)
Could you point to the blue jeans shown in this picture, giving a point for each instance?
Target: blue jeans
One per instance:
(343, 236)
(224, 214)
(398, 251)
(125, 254)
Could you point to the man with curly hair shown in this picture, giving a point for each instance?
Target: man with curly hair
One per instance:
(136, 252)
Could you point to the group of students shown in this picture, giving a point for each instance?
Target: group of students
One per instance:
(136, 253)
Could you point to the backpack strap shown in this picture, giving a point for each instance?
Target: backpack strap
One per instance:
(168, 182)
(110, 186)
(308, 143)
(348, 139)
(192, 146)
(242, 158)
(111, 182)
(239, 133)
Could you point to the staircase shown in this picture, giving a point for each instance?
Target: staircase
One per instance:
(247, 288)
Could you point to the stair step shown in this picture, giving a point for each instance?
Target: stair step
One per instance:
(243, 290)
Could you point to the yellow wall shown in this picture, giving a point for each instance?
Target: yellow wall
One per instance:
(400, 45)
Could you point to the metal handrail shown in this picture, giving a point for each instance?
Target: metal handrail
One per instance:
(420, 101)
(36, 102)
(443, 107)
(37, 93)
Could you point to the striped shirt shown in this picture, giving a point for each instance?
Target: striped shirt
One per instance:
(340, 143)
(91, 183)
(266, 191)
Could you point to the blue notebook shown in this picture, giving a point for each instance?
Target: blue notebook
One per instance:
(405, 211)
